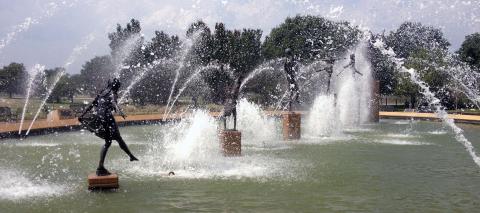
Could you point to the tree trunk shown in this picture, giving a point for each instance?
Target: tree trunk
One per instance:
(10, 95)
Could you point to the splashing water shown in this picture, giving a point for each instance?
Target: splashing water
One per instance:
(44, 101)
(251, 119)
(75, 53)
(187, 82)
(262, 67)
(191, 149)
(322, 119)
(17, 29)
(52, 8)
(354, 91)
(139, 76)
(430, 97)
(124, 52)
(33, 73)
(16, 186)
(181, 65)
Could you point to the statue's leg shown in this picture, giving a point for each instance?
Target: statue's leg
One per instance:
(329, 82)
(297, 91)
(234, 119)
(124, 147)
(101, 171)
(224, 119)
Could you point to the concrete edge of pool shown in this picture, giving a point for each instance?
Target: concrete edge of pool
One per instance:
(10, 130)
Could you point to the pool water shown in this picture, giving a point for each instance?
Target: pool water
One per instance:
(393, 166)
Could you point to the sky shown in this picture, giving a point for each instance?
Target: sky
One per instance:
(67, 33)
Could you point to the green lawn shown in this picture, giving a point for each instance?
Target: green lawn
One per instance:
(16, 106)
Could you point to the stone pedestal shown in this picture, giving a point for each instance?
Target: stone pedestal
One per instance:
(375, 102)
(102, 182)
(231, 142)
(291, 126)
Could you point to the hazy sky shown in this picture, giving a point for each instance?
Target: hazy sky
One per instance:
(62, 32)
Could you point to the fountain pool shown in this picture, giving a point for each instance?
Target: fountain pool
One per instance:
(385, 167)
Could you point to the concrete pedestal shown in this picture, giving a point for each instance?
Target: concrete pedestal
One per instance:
(102, 182)
(375, 102)
(231, 142)
(291, 126)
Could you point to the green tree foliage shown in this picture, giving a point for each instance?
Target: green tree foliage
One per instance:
(426, 63)
(310, 37)
(95, 74)
(161, 46)
(155, 86)
(66, 87)
(383, 69)
(470, 50)
(121, 35)
(423, 48)
(237, 52)
(412, 37)
(12, 78)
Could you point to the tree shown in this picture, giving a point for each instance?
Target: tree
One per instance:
(310, 37)
(122, 35)
(161, 46)
(423, 48)
(470, 50)
(383, 69)
(155, 86)
(412, 37)
(237, 53)
(12, 78)
(66, 88)
(427, 64)
(95, 73)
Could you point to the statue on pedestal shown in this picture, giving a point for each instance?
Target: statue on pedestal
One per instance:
(291, 69)
(230, 105)
(98, 118)
(352, 64)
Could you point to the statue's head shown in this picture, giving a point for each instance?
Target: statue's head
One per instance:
(114, 84)
(288, 52)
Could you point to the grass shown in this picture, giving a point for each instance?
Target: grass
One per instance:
(16, 106)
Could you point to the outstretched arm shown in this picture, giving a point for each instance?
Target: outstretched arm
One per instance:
(350, 64)
(358, 72)
(94, 102)
(117, 107)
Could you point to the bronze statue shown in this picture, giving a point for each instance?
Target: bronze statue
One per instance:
(291, 70)
(98, 118)
(329, 69)
(352, 64)
(230, 105)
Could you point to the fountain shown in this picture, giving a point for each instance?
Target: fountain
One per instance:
(75, 53)
(432, 100)
(231, 154)
(35, 71)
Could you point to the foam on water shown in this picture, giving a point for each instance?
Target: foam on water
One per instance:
(401, 142)
(17, 186)
(321, 120)
(37, 144)
(255, 125)
(191, 149)
(438, 132)
(393, 135)
(330, 116)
